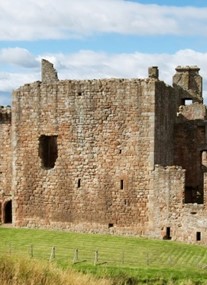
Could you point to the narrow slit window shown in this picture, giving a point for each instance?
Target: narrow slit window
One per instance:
(121, 184)
(79, 183)
(167, 234)
(198, 236)
(8, 212)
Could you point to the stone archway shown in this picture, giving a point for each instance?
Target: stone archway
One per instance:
(8, 212)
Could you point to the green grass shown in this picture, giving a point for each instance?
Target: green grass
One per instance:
(24, 271)
(125, 257)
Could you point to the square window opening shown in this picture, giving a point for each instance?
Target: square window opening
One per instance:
(187, 101)
(48, 151)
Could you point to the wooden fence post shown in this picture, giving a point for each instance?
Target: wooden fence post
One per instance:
(10, 249)
(96, 257)
(122, 257)
(31, 251)
(148, 259)
(75, 257)
(52, 255)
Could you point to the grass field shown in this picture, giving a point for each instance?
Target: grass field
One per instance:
(111, 256)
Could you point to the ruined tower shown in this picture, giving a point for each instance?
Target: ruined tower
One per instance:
(5, 165)
(107, 155)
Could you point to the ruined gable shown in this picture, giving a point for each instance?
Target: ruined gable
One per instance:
(49, 74)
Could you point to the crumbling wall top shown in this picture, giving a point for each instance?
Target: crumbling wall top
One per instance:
(193, 68)
(49, 74)
(153, 72)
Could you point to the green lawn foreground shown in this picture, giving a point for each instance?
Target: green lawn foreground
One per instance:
(108, 255)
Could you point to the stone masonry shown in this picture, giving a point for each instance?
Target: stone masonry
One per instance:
(123, 156)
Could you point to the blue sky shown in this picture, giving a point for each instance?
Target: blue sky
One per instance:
(99, 39)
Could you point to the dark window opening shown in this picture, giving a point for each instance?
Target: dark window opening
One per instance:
(8, 212)
(48, 151)
(120, 151)
(79, 183)
(187, 101)
(194, 195)
(167, 235)
(198, 236)
(80, 93)
(121, 184)
(110, 225)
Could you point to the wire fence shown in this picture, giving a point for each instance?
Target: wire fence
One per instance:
(109, 256)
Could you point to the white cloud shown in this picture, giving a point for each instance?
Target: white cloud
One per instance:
(10, 81)
(50, 19)
(18, 56)
(88, 64)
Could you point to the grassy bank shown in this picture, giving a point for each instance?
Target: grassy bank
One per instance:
(21, 271)
(123, 259)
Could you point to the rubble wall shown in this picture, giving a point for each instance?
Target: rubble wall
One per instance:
(105, 152)
(165, 118)
(5, 158)
(189, 143)
(166, 199)
(169, 214)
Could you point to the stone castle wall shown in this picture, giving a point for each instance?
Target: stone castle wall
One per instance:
(165, 118)
(104, 131)
(170, 216)
(5, 158)
(123, 156)
(166, 200)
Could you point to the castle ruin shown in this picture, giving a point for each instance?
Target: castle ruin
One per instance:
(124, 156)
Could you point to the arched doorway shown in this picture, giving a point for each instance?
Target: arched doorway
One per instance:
(8, 212)
(0, 212)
